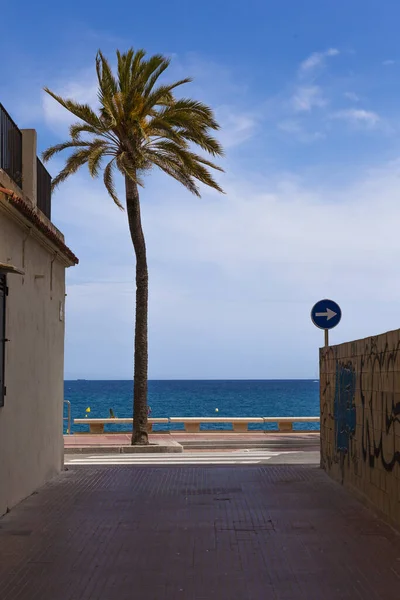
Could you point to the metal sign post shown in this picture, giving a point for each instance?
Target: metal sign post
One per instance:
(326, 314)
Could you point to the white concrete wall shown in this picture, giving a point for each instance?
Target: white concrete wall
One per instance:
(31, 443)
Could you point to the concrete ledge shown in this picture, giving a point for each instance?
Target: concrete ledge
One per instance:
(170, 446)
(288, 442)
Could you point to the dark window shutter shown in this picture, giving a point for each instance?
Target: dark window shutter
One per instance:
(3, 294)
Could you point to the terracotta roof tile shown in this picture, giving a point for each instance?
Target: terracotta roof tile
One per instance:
(30, 214)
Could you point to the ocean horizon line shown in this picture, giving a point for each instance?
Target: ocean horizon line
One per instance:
(200, 379)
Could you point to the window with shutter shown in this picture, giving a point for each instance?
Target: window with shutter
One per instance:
(3, 294)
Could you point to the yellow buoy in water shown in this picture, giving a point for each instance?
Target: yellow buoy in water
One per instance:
(216, 410)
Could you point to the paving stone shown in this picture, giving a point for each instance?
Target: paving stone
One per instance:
(196, 533)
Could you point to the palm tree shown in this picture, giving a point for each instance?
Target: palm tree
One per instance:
(139, 124)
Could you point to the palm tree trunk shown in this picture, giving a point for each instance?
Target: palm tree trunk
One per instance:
(139, 435)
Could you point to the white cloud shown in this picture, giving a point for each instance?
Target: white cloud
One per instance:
(308, 95)
(316, 60)
(352, 96)
(296, 131)
(357, 116)
(236, 127)
(306, 98)
(82, 89)
(290, 126)
(388, 63)
(205, 74)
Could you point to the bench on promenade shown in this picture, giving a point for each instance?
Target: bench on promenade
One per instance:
(97, 425)
(285, 424)
(192, 424)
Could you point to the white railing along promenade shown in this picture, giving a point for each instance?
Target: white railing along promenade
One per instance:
(192, 424)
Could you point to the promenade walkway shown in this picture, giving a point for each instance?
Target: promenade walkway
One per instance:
(197, 457)
(274, 532)
(299, 440)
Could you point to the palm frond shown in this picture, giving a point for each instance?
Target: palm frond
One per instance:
(82, 111)
(147, 67)
(50, 152)
(181, 118)
(207, 163)
(76, 129)
(108, 178)
(199, 172)
(108, 92)
(163, 95)
(163, 132)
(124, 65)
(152, 72)
(94, 160)
(137, 64)
(175, 170)
(204, 140)
(73, 163)
(203, 112)
(189, 162)
(108, 85)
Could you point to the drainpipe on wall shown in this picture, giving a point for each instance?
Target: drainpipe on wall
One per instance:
(23, 246)
(51, 274)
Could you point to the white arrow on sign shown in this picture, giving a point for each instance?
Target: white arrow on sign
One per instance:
(329, 314)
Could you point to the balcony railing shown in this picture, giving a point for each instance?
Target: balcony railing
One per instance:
(11, 162)
(43, 189)
(10, 147)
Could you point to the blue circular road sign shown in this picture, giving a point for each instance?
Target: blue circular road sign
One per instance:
(326, 314)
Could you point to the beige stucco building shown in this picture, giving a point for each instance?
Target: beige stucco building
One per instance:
(33, 259)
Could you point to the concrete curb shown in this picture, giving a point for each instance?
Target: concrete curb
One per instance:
(235, 444)
(170, 448)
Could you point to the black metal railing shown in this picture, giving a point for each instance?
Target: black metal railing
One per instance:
(43, 189)
(10, 147)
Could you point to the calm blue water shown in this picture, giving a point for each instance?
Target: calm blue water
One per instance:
(197, 398)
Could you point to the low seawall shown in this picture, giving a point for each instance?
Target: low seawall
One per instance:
(360, 418)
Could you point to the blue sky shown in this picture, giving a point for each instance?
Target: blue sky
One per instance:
(308, 97)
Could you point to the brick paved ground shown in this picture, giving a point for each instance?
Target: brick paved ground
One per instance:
(202, 533)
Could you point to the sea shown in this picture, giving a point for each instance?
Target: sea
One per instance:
(222, 398)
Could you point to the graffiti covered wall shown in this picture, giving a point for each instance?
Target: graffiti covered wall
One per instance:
(360, 418)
